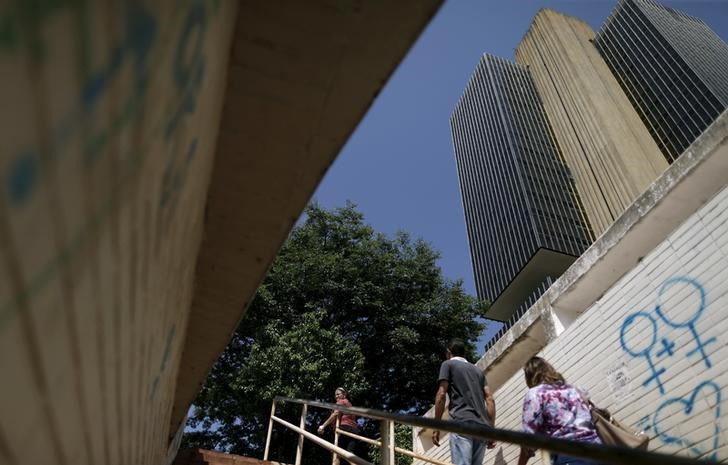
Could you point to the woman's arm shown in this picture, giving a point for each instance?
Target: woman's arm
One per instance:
(524, 456)
(328, 421)
(532, 417)
(531, 422)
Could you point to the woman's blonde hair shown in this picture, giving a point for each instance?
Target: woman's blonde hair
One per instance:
(539, 371)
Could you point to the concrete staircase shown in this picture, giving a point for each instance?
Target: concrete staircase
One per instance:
(208, 457)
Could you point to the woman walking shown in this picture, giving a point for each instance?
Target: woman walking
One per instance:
(556, 409)
(347, 422)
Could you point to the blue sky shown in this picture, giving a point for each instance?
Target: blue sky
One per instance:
(398, 166)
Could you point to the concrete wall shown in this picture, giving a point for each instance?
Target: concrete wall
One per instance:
(154, 157)
(109, 124)
(653, 347)
(606, 146)
(640, 318)
(301, 77)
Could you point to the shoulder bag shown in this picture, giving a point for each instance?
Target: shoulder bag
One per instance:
(614, 433)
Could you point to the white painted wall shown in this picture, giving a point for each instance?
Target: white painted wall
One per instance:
(649, 312)
(648, 337)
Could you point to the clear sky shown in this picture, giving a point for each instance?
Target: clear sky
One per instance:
(398, 166)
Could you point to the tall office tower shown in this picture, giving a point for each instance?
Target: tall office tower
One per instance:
(672, 67)
(610, 153)
(523, 218)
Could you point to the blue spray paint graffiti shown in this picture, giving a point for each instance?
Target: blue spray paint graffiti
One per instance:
(22, 176)
(188, 77)
(173, 180)
(141, 34)
(629, 323)
(686, 406)
(163, 363)
(639, 336)
(690, 323)
(130, 54)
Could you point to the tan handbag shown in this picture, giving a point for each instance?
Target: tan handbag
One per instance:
(611, 431)
(614, 433)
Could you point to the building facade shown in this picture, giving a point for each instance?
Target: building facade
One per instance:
(609, 151)
(523, 218)
(672, 66)
(616, 322)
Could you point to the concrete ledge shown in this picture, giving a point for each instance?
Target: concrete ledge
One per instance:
(527, 336)
(301, 77)
(693, 179)
(690, 182)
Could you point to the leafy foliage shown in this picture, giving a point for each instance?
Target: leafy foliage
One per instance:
(341, 306)
(402, 439)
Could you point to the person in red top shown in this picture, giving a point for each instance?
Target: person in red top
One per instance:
(347, 422)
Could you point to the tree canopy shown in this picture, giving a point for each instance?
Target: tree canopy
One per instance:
(342, 305)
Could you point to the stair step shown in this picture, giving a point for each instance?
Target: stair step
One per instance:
(209, 457)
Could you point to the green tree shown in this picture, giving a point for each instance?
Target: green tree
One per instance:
(402, 439)
(341, 305)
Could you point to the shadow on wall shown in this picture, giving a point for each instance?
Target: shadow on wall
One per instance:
(499, 459)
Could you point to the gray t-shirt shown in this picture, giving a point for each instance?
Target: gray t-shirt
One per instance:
(466, 385)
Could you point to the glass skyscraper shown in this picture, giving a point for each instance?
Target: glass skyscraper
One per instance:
(610, 153)
(673, 68)
(523, 217)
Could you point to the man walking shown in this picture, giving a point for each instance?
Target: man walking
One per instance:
(471, 402)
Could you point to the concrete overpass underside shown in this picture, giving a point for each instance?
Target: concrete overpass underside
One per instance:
(155, 157)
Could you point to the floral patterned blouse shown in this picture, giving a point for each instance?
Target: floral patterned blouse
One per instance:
(558, 410)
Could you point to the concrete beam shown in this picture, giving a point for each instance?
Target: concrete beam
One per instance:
(301, 77)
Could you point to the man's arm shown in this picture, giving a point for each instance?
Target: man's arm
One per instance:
(489, 403)
(440, 407)
(490, 410)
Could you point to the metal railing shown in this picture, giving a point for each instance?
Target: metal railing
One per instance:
(386, 444)
(600, 453)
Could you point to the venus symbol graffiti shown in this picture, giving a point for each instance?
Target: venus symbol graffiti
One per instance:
(661, 336)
